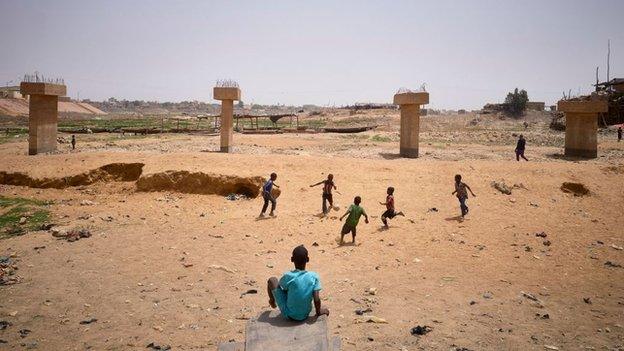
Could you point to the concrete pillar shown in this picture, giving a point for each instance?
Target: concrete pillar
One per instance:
(410, 121)
(42, 115)
(227, 117)
(581, 138)
(227, 96)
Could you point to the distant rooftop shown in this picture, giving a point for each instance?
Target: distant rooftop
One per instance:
(614, 81)
(10, 88)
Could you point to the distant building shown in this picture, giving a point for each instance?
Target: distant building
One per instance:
(12, 92)
(535, 106)
(616, 84)
(494, 108)
(613, 90)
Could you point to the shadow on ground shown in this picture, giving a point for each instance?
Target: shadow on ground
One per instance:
(389, 156)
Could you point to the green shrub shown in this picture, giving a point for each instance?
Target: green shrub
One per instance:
(515, 103)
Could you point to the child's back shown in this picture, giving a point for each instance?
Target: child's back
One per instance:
(355, 212)
(296, 290)
(299, 287)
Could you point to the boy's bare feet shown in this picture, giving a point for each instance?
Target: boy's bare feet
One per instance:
(385, 223)
(272, 214)
(261, 215)
(401, 214)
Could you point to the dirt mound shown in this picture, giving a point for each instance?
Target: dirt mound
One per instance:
(200, 183)
(578, 189)
(121, 172)
(178, 181)
(13, 107)
(19, 107)
(502, 187)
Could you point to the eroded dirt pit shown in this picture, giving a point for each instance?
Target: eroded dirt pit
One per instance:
(173, 181)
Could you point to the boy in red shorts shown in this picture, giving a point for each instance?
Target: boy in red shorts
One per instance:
(390, 211)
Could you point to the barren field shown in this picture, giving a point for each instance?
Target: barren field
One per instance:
(170, 258)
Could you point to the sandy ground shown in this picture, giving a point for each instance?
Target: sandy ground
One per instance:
(171, 268)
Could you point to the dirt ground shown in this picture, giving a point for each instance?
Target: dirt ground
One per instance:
(172, 268)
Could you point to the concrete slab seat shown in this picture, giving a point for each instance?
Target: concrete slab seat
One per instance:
(270, 331)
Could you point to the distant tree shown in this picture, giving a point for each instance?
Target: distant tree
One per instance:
(516, 102)
(241, 104)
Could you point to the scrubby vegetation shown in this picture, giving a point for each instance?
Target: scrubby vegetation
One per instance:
(19, 215)
(381, 138)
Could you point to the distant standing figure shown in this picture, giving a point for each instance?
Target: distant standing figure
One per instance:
(266, 195)
(619, 134)
(520, 148)
(390, 211)
(328, 184)
(73, 142)
(462, 194)
(355, 211)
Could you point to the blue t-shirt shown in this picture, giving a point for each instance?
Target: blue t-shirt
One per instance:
(299, 287)
(268, 186)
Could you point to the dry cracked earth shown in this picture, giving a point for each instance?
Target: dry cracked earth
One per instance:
(178, 261)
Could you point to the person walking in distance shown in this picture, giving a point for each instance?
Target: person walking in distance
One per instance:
(520, 146)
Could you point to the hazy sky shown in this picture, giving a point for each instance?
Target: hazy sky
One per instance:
(321, 52)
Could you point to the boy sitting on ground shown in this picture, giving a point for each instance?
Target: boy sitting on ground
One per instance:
(355, 211)
(294, 292)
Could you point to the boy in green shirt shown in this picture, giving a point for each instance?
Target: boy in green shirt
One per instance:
(355, 211)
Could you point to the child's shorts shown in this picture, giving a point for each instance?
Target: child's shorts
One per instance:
(280, 297)
(389, 214)
(346, 228)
